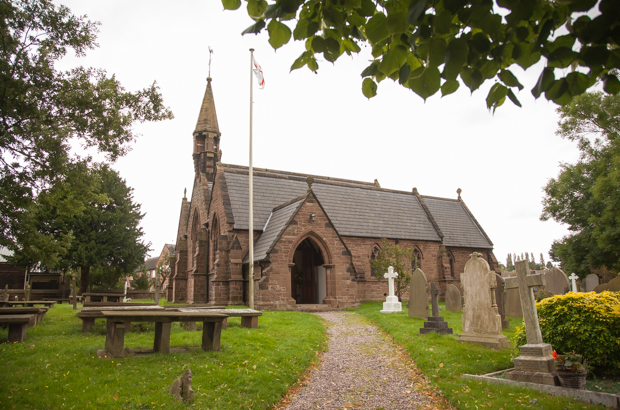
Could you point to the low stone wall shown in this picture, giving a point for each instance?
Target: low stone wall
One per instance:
(144, 294)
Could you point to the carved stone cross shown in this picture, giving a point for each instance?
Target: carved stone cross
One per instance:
(573, 281)
(525, 282)
(435, 292)
(390, 276)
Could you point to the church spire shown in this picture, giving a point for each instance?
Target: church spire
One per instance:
(206, 136)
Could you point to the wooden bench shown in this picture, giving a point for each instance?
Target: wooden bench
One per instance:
(115, 335)
(18, 325)
(25, 303)
(90, 313)
(38, 313)
(122, 304)
(249, 317)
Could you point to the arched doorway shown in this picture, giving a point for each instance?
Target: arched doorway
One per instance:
(308, 281)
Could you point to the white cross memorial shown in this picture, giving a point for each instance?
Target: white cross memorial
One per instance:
(573, 281)
(391, 303)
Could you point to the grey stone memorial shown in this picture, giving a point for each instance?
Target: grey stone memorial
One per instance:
(157, 289)
(454, 302)
(418, 295)
(535, 364)
(482, 323)
(556, 281)
(391, 303)
(590, 282)
(500, 300)
(27, 295)
(573, 282)
(74, 292)
(435, 323)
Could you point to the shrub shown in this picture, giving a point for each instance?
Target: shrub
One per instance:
(542, 294)
(142, 282)
(586, 323)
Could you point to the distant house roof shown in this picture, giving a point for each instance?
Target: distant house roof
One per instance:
(4, 252)
(355, 208)
(150, 264)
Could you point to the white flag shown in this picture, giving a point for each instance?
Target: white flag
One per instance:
(258, 72)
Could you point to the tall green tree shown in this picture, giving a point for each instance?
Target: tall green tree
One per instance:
(45, 113)
(586, 195)
(426, 45)
(104, 236)
(402, 259)
(509, 264)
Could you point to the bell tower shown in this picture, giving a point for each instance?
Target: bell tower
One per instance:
(206, 137)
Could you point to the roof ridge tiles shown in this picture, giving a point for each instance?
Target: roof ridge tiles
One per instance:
(437, 197)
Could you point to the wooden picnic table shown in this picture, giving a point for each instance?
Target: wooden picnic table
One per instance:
(115, 336)
(249, 317)
(38, 313)
(25, 303)
(18, 325)
(90, 313)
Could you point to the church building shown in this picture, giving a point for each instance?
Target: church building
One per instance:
(314, 236)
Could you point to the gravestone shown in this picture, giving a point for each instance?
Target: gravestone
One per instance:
(499, 298)
(535, 365)
(454, 303)
(74, 292)
(556, 281)
(573, 282)
(391, 303)
(435, 323)
(513, 303)
(158, 289)
(482, 323)
(27, 295)
(418, 295)
(5, 295)
(612, 286)
(590, 282)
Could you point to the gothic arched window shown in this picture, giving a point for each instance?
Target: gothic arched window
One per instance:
(374, 253)
(417, 263)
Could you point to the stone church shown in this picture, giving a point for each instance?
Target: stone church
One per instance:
(314, 236)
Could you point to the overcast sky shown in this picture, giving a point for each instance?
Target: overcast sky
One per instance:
(320, 124)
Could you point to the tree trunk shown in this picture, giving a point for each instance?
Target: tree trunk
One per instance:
(85, 279)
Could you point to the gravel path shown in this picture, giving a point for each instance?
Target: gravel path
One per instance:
(362, 369)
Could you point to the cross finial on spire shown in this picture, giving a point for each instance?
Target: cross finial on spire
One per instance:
(210, 54)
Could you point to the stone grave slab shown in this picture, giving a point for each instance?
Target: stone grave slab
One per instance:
(535, 364)
(418, 295)
(590, 282)
(482, 323)
(556, 281)
(454, 302)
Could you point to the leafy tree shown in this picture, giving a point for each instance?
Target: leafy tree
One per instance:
(45, 113)
(141, 280)
(549, 264)
(542, 261)
(163, 271)
(509, 264)
(105, 235)
(586, 195)
(401, 259)
(426, 45)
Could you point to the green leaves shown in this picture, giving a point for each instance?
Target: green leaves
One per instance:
(369, 88)
(231, 4)
(497, 96)
(279, 34)
(393, 60)
(455, 58)
(376, 28)
(425, 81)
(256, 8)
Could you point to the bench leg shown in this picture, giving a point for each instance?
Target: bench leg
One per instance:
(249, 321)
(115, 339)
(162, 337)
(87, 324)
(211, 333)
(17, 333)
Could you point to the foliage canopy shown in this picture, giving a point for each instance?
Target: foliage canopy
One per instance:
(45, 114)
(426, 45)
(586, 195)
(400, 258)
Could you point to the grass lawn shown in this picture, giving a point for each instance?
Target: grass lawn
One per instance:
(443, 359)
(57, 365)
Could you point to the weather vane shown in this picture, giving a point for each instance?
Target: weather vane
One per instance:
(210, 54)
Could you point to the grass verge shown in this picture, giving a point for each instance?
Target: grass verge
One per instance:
(443, 360)
(57, 365)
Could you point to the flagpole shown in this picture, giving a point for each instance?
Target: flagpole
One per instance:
(251, 189)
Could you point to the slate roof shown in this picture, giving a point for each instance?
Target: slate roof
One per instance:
(277, 222)
(150, 263)
(457, 224)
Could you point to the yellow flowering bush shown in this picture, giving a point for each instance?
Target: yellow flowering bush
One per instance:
(584, 323)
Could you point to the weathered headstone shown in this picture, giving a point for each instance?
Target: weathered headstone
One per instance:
(613, 285)
(454, 303)
(556, 281)
(126, 287)
(27, 295)
(74, 292)
(5, 295)
(499, 299)
(590, 282)
(391, 303)
(418, 295)
(158, 289)
(482, 323)
(513, 303)
(535, 365)
(573, 282)
(181, 388)
(435, 323)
